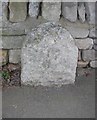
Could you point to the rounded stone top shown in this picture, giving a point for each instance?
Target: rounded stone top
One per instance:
(50, 29)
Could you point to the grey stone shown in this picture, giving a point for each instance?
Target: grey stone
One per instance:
(90, 12)
(18, 11)
(81, 11)
(88, 55)
(93, 33)
(69, 11)
(86, 43)
(15, 56)
(12, 42)
(93, 64)
(49, 56)
(12, 31)
(34, 9)
(51, 11)
(78, 32)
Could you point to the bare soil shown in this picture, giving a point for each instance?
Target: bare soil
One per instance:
(10, 75)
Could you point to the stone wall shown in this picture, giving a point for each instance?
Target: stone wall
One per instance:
(18, 18)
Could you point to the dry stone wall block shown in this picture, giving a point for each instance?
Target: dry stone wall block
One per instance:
(89, 55)
(34, 9)
(81, 11)
(84, 43)
(51, 11)
(79, 55)
(83, 64)
(69, 11)
(18, 11)
(78, 32)
(0, 14)
(0, 8)
(93, 64)
(0, 41)
(4, 11)
(95, 41)
(3, 57)
(95, 47)
(12, 31)
(90, 12)
(12, 42)
(49, 56)
(93, 32)
(15, 56)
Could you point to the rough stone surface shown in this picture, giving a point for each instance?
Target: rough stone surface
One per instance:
(12, 42)
(14, 56)
(49, 56)
(78, 32)
(90, 12)
(84, 43)
(88, 55)
(93, 33)
(18, 11)
(82, 63)
(81, 11)
(51, 11)
(93, 64)
(69, 11)
(34, 9)
(3, 57)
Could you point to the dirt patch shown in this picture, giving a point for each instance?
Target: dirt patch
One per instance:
(10, 75)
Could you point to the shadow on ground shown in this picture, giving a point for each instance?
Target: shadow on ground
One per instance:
(70, 101)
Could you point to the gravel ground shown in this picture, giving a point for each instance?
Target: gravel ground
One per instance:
(69, 101)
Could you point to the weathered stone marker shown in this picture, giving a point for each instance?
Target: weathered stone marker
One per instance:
(49, 56)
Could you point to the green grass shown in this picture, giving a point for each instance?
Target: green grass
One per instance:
(5, 75)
